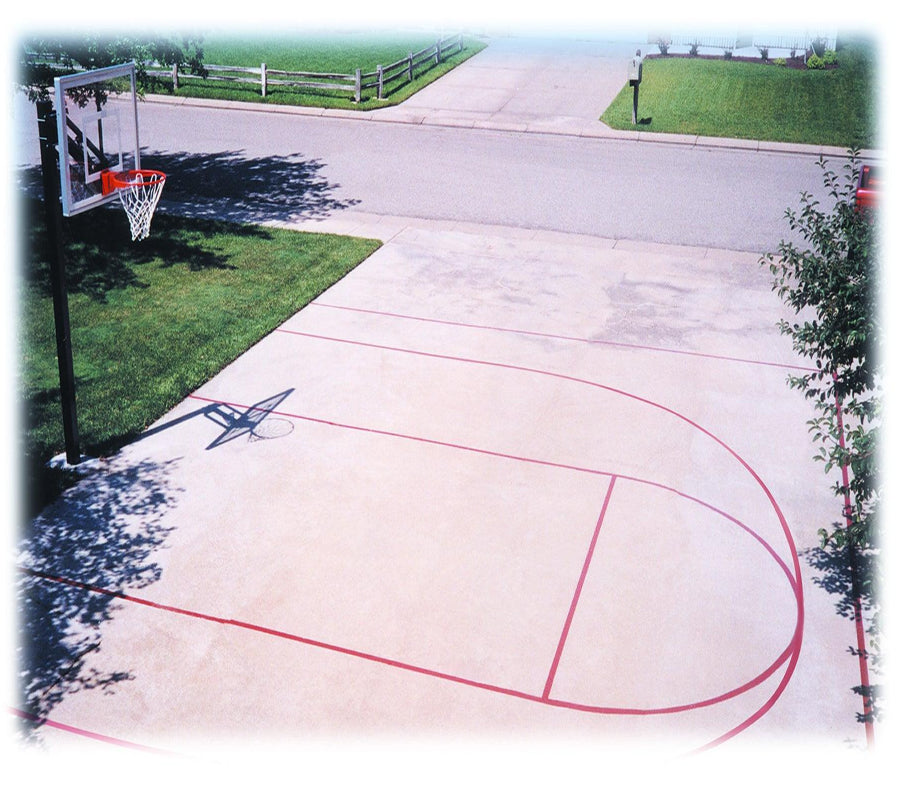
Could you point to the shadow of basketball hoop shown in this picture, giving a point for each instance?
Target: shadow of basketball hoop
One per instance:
(256, 422)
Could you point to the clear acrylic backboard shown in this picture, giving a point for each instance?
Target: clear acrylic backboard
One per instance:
(97, 121)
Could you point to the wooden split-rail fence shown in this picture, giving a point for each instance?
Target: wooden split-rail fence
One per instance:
(380, 80)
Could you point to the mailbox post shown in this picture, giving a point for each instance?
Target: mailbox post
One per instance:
(635, 74)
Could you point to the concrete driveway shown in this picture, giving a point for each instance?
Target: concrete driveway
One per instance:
(526, 84)
(493, 482)
(496, 486)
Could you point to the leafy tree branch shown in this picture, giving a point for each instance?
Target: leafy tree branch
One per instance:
(831, 283)
(830, 280)
(45, 57)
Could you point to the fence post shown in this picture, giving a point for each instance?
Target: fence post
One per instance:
(263, 79)
(174, 76)
(437, 52)
(380, 71)
(358, 92)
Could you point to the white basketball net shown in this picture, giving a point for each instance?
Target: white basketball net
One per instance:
(139, 198)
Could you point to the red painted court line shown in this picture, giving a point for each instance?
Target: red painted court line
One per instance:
(862, 653)
(793, 650)
(262, 629)
(566, 337)
(790, 654)
(89, 734)
(560, 376)
(584, 571)
(520, 459)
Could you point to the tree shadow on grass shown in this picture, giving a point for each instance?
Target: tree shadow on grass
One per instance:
(100, 256)
(835, 563)
(102, 534)
(203, 193)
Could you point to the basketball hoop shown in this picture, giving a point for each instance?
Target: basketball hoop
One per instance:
(139, 192)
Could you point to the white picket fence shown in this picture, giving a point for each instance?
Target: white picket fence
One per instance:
(785, 42)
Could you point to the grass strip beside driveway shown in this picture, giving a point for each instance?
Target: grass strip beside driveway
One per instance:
(154, 320)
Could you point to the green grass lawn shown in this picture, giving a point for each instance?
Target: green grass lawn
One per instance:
(759, 101)
(339, 54)
(321, 54)
(152, 321)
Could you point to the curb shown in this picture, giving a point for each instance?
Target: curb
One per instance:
(552, 126)
(387, 227)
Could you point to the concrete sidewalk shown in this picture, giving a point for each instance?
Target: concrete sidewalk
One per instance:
(520, 84)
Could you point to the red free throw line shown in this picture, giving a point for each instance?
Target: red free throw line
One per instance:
(584, 571)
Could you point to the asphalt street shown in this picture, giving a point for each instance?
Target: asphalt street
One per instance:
(511, 138)
(729, 199)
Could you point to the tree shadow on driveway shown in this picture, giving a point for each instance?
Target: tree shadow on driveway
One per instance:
(835, 565)
(100, 535)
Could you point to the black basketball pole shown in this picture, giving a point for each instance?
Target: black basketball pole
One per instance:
(47, 133)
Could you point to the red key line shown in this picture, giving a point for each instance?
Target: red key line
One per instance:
(263, 629)
(584, 571)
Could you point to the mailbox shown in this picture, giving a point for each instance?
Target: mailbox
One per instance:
(635, 69)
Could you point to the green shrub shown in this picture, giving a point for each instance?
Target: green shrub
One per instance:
(830, 57)
(815, 62)
(780, 62)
